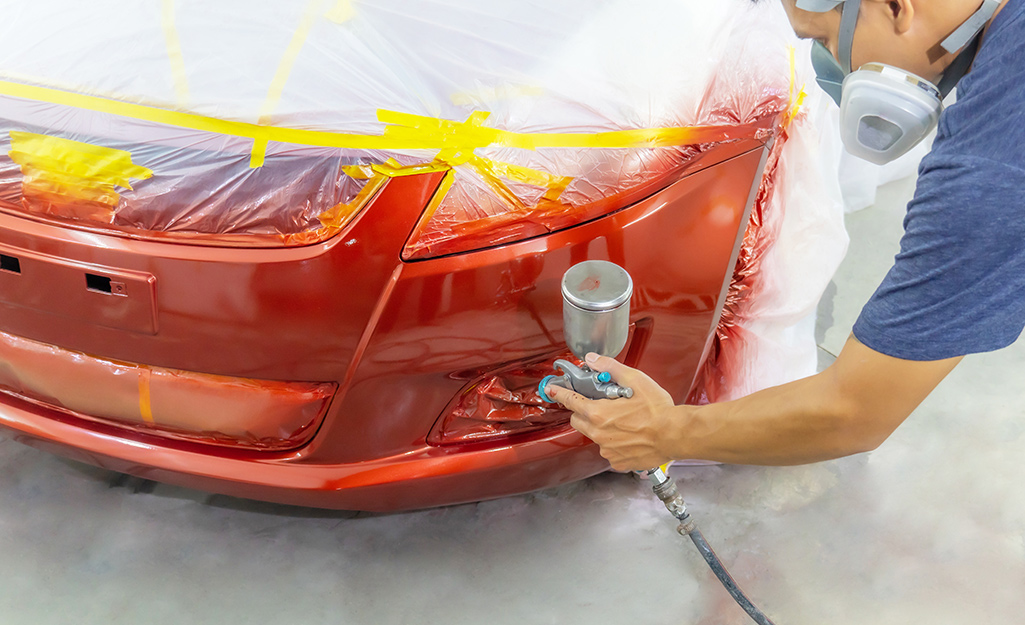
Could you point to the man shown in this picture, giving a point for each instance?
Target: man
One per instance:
(956, 287)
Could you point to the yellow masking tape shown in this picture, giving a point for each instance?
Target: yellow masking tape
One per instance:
(259, 153)
(359, 172)
(439, 196)
(454, 158)
(420, 133)
(40, 182)
(341, 12)
(416, 131)
(145, 405)
(486, 172)
(796, 99)
(277, 84)
(79, 170)
(555, 184)
(489, 170)
(391, 168)
(174, 54)
(339, 215)
(84, 161)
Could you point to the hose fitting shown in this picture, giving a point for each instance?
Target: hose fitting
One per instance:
(665, 489)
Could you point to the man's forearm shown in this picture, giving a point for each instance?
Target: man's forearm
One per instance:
(804, 421)
(851, 407)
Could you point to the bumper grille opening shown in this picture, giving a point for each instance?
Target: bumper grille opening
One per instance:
(10, 263)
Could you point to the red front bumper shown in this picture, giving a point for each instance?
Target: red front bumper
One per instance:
(399, 340)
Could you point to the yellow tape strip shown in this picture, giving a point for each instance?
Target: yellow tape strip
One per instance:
(341, 12)
(74, 169)
(796, 99)
(340, 215)
(439, 196)
(490, 170)
(416, 131)
(391, 168)
(83, 161)
(277, 84)
(555, 184)
(145, 406)
(403, 131)
(174, 54)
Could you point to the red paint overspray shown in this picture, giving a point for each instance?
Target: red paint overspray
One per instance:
(590, 283)
(501, 404)
(725, 363)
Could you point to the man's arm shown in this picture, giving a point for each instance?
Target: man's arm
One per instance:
(851, 407)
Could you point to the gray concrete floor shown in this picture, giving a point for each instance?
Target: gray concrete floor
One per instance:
(930, 528)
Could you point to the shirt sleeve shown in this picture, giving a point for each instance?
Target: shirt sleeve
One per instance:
(958, 284)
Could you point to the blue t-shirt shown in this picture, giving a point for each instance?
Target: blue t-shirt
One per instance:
(958, 284)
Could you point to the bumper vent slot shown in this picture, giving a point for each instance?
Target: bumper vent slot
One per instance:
(94, 282)
(10, 263)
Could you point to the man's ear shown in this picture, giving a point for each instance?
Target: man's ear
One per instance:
(902, 12)
(899, 13)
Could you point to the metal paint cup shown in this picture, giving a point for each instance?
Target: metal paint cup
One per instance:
(596, 307)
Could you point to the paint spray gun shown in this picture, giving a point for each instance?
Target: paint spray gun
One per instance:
(596, 317)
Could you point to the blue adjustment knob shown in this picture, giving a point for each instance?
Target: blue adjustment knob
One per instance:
(604, 377)
(541, 389)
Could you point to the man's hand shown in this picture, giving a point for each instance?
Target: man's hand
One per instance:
(849, 408)
(629, 431)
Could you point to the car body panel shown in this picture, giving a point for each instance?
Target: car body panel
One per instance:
(397, 337)
(316, 258)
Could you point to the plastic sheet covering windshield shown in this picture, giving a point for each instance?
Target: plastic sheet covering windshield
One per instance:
(274, 123)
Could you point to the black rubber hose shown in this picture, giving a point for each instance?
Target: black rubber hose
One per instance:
(727, 580)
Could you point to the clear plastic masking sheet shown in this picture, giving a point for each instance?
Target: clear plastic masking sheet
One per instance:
(248, 120)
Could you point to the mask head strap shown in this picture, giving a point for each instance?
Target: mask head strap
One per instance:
(959, 67)
(967, 31)
(848, 20)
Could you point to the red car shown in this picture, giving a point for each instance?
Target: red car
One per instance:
(277, 313)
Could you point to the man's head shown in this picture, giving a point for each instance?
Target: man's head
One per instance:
(882, 49)
(902, 33)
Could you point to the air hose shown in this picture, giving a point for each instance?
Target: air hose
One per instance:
(596, 313)
(665, 489)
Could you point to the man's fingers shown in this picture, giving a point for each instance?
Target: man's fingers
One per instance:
(570, 400)
(582, 425)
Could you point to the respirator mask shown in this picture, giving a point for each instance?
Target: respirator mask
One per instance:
(885, 111)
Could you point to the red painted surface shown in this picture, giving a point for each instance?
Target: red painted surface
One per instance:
(212, 409)
(401, 340)
(725, 362)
